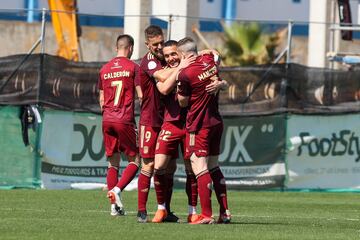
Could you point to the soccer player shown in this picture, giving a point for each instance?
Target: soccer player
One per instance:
(204, 129)
(151, 114)
(172, 135)
(116, 97)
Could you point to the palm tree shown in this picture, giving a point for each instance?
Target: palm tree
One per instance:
(246, 44)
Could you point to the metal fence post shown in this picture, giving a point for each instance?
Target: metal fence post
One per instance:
(42, 37)
(288, 53)
(169, 27)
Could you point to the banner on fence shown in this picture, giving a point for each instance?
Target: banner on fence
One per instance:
(72, 150)
(18, 163)
(324, 154)
(252, 152)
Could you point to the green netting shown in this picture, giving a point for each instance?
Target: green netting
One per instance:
(19, 165)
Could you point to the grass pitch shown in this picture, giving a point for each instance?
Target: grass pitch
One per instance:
(76, 214)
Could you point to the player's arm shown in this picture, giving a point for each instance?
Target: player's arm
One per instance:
(216, 85)
(137, 81)
(163, 74)
(139, 93)
(209, 51)
(183, 90)
(183, 100)
(215, 53)
(101, 99)
(101, 91)
(167, 86)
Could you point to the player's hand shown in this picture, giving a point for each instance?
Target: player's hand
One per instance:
(214, 86)
(209, 51)
(186, 61)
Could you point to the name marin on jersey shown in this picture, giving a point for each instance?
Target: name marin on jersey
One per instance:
(116, 74)
(208, 73)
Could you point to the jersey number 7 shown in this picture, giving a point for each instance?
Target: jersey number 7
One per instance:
(118, 85)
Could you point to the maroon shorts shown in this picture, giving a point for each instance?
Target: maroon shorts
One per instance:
(205, 142)
(148, 137)
(119, 137)
(172, 135)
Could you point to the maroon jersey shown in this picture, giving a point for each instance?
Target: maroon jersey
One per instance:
(203, 107)
(173, 111)
(117, 80)
(151, 109)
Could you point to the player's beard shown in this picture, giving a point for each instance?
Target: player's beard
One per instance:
(159, 54)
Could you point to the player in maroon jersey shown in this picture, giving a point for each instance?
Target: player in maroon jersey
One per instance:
(116, 96)
(204, 129)
(151, 115)
(171, 136)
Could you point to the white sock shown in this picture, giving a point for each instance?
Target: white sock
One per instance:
(116, 190)
(192, 209)
(161, 206)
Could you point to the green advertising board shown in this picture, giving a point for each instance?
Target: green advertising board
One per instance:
(19, 164)
(252, 152)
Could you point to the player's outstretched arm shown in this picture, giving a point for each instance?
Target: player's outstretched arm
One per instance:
(163, 74)
(167, 86)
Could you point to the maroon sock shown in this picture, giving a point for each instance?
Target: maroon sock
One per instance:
(220, 188)
(143, 191)
(204, 189)
(112, 177)
(127, 175)
(160, 186)
(170, 183)
(191, 189)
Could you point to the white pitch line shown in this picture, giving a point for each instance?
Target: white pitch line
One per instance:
(185, 214)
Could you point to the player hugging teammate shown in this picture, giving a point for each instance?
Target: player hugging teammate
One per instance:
(178, 91)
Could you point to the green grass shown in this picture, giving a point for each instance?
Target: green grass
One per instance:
(75, 214)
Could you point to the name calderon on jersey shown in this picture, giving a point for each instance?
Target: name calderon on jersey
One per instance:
(116, 74)
(207, 73)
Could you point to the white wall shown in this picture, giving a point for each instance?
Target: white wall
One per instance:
(162, 7)
(265, 10)
(210, 9)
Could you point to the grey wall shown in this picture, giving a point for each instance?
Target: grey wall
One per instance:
(98, 44)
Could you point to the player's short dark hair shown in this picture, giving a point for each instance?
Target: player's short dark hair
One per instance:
(124, 40)
(152, 31)
(170, 43)
(187, 44)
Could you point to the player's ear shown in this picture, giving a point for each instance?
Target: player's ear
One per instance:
(131, 48)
